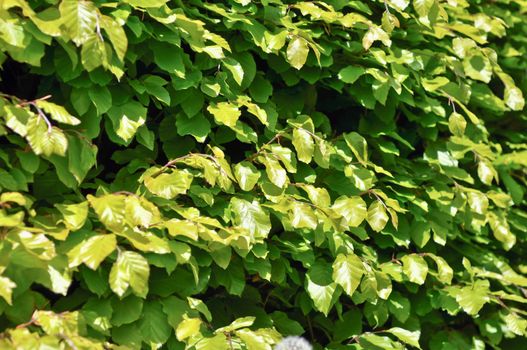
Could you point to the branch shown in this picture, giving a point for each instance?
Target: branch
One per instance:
(42, 115)
(98, 27)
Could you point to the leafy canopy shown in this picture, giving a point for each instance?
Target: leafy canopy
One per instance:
(220, 174)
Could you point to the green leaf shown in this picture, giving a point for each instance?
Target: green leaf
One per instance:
(67, 323)
(169, 58)
(199, 305)
(146, 3)
(7, 181)
(501, 230)
(352, 209)
(154, 86)
(415, 268)
(377, 217)
(362, 178)
(478, 202)
(486, 172)
(17, 119)
(235, 68)
(513, 97)
(6, 289)
(286, 325)
(348, 326)
(130, 270)
(457, 124)
(92, 251)
(399, 306)
(389, 22)
(222, 256)
(304, 145)
(274, 171)
(377, 342)
(347, 272)
(82, 157)
(515, 324)
(12, 33)
(127, 118)
(350, 74)
(253, 340)
(126, 310)
(169, 185)
(175, 309)
(57, 113)
(444, 271)
(406, 336)
(217, 342)
(225, 113)
(432, 85)
(297, 52)
(153, 325)
(11, 220)
(247, 175)
(198, 126)
(284, 155)
(44, 139)
(74, 214)
(358, 146)
(188, 327)
(116, 34)
(422, 7)
(101, 98)
(478, 67)
(260, 89)
(373, 34)
(320, 287)
(110, 209)
(93, 53)
(141, 212)
(79, 19)
(179, 227)
(251, 217)
(301, 215)
(192, 103)
(516, 191)
(472, 298)
(13, 197)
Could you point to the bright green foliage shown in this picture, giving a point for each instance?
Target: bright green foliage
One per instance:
(219, 174)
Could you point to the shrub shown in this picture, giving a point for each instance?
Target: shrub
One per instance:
(218, 175)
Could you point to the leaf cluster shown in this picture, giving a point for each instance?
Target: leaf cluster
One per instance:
(221, 174)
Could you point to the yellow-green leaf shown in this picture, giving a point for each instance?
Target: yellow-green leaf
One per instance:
(297, 52)
(377, 216)
(415, 268)
(6, 289)
(92, 251)
(74, 214)
(169, 185)
(347, 272)
(57, 113)
(130, 270)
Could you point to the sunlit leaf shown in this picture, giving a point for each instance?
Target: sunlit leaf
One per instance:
(415, 268)
(130, 270)
(92, 251)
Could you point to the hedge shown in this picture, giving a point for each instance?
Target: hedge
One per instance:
(222, 174)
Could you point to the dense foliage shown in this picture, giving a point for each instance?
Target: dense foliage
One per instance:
(219, 174)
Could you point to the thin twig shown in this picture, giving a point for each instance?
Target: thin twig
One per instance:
(42, 115)
(452, 103)
(98, 27)
(386, 7)
(254, 155)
